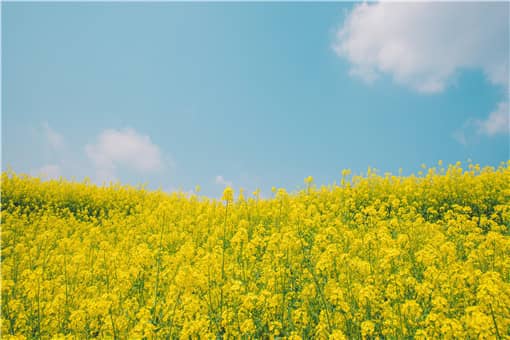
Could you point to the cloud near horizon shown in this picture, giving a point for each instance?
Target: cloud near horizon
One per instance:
(222, 181)
(48, 171)
(123, 148)
(53, 148)
(54, 139)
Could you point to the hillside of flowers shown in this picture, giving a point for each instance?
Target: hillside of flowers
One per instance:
(373, 256)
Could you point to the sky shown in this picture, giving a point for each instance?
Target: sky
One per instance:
(252, 95)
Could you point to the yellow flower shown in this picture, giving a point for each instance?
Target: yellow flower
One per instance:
(248, 327)
(384, 256)
(367, 328)
(228, 195)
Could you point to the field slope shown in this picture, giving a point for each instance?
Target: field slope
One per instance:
(376, 256)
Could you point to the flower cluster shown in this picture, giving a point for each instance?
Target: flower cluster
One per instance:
(424, 256)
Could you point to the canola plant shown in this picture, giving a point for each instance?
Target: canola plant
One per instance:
(373, 257)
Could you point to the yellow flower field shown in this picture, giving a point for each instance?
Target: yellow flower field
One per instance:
(373, 256)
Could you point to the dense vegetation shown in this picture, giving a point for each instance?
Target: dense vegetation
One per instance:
(423, 256)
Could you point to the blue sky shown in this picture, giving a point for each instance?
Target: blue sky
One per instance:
(250, 94)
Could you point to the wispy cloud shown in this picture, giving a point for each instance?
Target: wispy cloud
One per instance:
(123, 148)
(497, 123)
(48, 171)
(54, 139)
(54, 149)
(222, 181)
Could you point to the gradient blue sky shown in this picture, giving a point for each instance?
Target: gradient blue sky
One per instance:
(255, 94)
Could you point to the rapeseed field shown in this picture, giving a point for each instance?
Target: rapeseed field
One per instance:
(372, 257)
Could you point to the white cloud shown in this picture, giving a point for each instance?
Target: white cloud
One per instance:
(472, 130)
(460, 136)
(498, 121)
(48, 171)
(53, 138)
(53, 151)
(422, 45)
(123, 148)
(222, 181)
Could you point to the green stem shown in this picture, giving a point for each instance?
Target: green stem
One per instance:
(38, 308)
(498, 336)
(223, 264)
